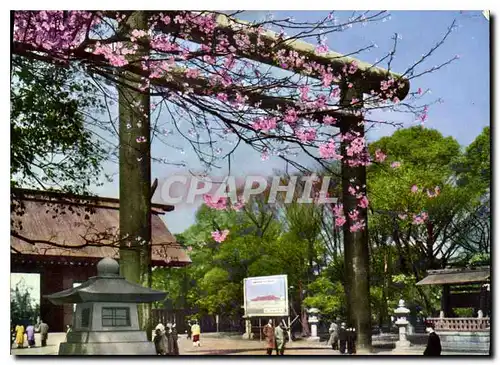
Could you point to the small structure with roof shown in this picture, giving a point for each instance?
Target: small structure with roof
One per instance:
(106, 320)
(463, 288)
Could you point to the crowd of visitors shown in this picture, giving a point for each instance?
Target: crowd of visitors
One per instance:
(25, 332)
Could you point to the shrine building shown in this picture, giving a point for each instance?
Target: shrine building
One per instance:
(62, 237)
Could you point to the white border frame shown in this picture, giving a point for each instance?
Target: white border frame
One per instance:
(287, 309)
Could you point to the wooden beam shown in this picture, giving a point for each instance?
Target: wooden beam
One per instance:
(370, 75)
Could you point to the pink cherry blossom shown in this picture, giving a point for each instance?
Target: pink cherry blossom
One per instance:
(353, 215)
(327, 151)
(329, 120)
(356, 146)
(291, 116)
(395, 164)
(335, 93)
(420, 218)
(136, 33)
(264, 124)
(338, 209)
(239, 204)
(380, 156)
(222, 96)
(140, 139)
(357, 226)
(340, 220)
(306, 134)
(402, 216)
(353, 67)
(414, 189)
(327, 79)
(192, 73)
(219, 236)
(219, 204)
(304, 91)
(321, 48)
(363, 202)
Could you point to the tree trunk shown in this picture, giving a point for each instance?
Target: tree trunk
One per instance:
(356, 253)
(135, 178)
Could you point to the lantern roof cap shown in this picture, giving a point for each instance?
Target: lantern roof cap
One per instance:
(107, 286)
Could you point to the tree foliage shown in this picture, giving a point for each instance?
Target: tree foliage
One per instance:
(51, 144)
(23, 307)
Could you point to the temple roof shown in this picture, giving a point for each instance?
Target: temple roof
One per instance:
(61, 226)
(107, 286)
(457, 276)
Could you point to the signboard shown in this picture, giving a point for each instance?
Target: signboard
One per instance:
(266, 296)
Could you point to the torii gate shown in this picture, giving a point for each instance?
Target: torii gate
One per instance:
(136, 177)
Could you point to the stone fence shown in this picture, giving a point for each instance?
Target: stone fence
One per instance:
(460, 324)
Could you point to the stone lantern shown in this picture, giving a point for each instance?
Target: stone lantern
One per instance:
(313, 321)
(106, 321)
(401, 312)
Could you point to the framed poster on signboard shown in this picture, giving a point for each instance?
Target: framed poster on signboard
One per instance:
(266, 296)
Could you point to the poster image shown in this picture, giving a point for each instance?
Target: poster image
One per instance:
(266, 296)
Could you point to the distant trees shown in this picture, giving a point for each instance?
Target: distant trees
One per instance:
(298, 239)
(23, 307)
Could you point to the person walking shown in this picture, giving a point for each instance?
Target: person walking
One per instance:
(159, 340)
(351, 341)
(433, 343)
(196, 331)
(281, 336)
(342, 338)
(334, 336)
(270, 337)
(172, 345)
(44, 332)
(30, 335)
(19, 336)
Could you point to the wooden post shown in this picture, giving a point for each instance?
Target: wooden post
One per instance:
(260, 330)
(356, 253)
(289, 330)
(445, 301)
(135, 177)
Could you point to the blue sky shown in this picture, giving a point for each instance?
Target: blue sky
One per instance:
(464, 85)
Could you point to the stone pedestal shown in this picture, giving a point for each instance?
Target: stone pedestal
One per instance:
(313, 322)
(402, 323)
(248, 335)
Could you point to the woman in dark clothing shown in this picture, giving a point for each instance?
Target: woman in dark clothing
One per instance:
(351, 341)
(342, 338)
(173, 347)
(434, 343)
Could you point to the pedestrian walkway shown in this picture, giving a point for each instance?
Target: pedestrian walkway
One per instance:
(215, 345)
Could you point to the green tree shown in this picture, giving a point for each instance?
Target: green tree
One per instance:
(474, 168)
(424, 184)
(23, 307)
(51, 143)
